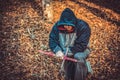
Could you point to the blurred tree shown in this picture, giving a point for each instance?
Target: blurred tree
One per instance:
(48, 10)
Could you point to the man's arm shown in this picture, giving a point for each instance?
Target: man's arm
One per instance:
(82, 39)
(54, 40)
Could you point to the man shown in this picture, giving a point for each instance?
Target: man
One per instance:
(73, 34)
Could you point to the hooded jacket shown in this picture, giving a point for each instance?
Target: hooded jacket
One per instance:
(82, 31)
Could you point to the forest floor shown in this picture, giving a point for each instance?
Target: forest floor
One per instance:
(23, 32)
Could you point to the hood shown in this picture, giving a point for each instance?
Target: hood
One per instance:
(67, 18)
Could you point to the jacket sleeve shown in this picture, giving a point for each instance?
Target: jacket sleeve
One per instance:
(82, 39)
(54, 39)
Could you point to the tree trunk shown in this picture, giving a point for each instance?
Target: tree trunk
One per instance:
(48, 10)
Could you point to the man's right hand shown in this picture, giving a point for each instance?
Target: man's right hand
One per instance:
(59, 54)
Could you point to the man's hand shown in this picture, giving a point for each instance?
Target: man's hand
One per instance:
(59, 54)
(80, 57)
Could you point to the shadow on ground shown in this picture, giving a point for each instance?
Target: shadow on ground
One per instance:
(99, 13)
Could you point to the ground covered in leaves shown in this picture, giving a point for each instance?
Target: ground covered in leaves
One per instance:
(23, 32)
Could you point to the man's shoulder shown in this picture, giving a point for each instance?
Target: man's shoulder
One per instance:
(82, 24)
(55, 25)
(80, 21)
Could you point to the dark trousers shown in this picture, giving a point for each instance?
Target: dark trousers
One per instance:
(75, 70)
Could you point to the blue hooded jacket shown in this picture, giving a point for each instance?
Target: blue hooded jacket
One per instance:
(82, 31)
